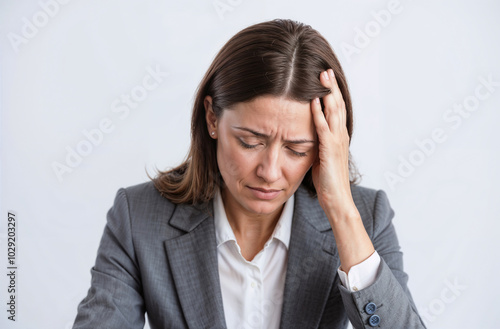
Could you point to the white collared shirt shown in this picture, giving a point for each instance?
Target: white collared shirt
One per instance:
(252, 291)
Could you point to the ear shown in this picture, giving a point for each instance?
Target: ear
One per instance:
(210, 117)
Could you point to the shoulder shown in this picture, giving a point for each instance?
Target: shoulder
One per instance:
(144, 197)
(145, 192)
(363, 194)
(374, 208)
(372, 204)
(143, 206)
(149, 211)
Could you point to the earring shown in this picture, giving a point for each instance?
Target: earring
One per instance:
(213, 133)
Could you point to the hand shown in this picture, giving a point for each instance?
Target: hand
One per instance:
(330, 175)
(330, 172)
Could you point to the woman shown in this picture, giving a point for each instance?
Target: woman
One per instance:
(261, 226)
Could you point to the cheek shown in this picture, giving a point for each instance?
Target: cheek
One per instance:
(295, 171)
(232, 163)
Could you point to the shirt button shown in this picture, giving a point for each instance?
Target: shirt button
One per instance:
(253, 284)
(354, 288)
(374, 320)
(370, 308)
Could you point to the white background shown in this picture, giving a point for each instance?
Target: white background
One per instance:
(413, 69)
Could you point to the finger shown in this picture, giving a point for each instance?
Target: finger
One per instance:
(333, 108)
(336, 114)
(339, 99)
(319, 119)
(328, 100)
(337, 95)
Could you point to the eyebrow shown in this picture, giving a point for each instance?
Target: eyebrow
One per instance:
(258, 134)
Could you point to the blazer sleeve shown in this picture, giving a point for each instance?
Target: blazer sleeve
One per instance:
(394, 305)
(114, 299)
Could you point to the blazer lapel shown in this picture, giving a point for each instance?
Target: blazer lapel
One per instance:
(193, 262)
(312, 258)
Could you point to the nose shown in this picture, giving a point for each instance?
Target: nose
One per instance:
(269, 168)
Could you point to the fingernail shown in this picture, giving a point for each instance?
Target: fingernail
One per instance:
(316, 100)
(326, 76)
(331, 73)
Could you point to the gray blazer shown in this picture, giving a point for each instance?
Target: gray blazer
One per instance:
(159, 258)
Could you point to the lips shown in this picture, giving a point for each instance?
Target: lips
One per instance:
(263, 193)
(264, 190)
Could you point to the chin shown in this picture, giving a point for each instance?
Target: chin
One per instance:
(264, 207)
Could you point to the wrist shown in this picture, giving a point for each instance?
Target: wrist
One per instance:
(345, 214)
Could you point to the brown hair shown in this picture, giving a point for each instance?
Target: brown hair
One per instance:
(280, 58)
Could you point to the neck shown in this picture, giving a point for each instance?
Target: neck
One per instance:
(251, 230)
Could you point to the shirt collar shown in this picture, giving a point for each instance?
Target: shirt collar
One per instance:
(224, 232)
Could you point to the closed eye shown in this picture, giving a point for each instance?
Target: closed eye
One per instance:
(300, 154)
(251, 146)
(247, 146)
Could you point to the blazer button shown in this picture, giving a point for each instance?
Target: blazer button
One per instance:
(374, 320)
(370, 308)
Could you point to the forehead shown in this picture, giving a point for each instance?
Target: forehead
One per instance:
(272, 113)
